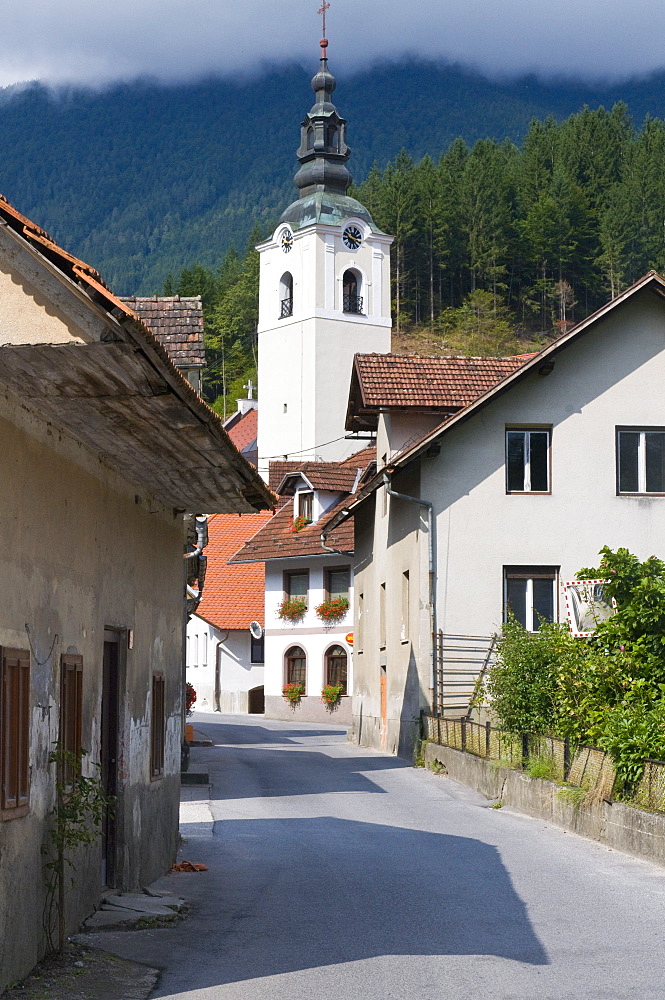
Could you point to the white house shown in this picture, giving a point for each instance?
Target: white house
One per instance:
(308, 650)
(224, 660)
(503, 501)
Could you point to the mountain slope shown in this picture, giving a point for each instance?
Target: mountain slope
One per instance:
(142, 179)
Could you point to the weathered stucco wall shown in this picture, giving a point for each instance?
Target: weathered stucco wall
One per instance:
(82, 551)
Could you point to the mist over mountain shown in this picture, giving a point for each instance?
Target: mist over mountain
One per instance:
(142, 179)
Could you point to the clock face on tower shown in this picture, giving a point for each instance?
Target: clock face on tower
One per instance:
(286, 241)
(352, 237)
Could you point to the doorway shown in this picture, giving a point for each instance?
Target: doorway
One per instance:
(109, 751)
(256, 702)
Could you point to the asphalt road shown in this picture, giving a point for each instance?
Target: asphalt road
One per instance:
(338, 873)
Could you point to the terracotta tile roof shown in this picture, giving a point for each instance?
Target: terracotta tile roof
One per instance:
(277, 540)
(402, 381)
(324, 471)
(233, 596)
(243, 431)
(332, 476)
(176, 322)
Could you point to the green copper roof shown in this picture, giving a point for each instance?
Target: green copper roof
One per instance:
(325, 207)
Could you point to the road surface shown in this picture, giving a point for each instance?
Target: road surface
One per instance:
(338, 873)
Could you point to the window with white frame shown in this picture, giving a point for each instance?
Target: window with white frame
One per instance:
(528, 461)
(530, 595)
(640, 460)
(305, 504)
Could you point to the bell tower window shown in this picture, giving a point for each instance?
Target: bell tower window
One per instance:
(286, 295)
(351, 287)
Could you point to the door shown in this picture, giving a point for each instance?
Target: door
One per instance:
(109, 751)
(384, 708)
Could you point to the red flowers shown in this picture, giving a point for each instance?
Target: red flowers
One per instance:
(332, 610)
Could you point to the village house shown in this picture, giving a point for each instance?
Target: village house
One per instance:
(106, 447)
(306, 648)
(224, 659)
(502, 502)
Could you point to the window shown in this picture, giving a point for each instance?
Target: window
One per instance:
(336, 664)
(257, 646)
(382, 616)
(530, 594)
(286, 296)
(296, 584)
(641, 461)
(305, 504)
(296, 665)
(527, 461)
(157, 727)
(71, 711)
(204, 650)
(352, 300)
(404, 631)
(14, 733)
(337, 582)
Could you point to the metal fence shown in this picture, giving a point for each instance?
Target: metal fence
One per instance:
(650, 789)
(558, 759)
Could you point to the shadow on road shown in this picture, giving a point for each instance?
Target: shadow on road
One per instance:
(293, 894)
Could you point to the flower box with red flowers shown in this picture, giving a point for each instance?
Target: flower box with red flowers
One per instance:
(333, 610)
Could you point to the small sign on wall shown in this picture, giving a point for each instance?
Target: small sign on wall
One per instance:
(349, 638)
(587, 604)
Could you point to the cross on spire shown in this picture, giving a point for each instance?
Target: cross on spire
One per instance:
(250, 388)
(322, 10)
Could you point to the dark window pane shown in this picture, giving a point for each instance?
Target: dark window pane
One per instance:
(628, 449)
(338, 583)
(336, 658)
(539, 461)
(655, 447)
(297, 583)
(516, 599)
(257, 655)
(515, 460)
(543, 602)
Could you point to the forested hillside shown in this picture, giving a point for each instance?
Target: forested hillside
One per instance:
(141, 179)
(497, 247)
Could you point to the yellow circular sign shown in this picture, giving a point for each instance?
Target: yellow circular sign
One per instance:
(349, 638)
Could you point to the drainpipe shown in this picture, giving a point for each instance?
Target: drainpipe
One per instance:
(432, 571)
(218, 672)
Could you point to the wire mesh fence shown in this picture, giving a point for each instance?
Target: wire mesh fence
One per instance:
(547, 756)
(650, 789)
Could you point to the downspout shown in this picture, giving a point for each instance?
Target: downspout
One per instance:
(218, 672)
(432, 572)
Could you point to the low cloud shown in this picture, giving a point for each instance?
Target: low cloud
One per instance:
(72, 41)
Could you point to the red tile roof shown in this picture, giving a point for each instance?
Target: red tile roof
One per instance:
(244, 431)
(402, 381)
(233, 596)
(331, 476)
(176, 322)
(277, 540)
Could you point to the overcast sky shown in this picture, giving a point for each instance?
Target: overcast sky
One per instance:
(79, 41)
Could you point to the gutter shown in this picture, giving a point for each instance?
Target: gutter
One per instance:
(432, 570)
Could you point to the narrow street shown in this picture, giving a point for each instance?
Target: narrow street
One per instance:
(338, 873)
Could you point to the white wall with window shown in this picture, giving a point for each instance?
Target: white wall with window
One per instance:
(226, 667)
(308, 651)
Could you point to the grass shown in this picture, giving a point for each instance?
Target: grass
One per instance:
(543, 767)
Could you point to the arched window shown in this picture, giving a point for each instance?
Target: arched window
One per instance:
(295, 661)
(333, 137)
(351, 286)
(286, 295)
(310, 138)
(336, 661)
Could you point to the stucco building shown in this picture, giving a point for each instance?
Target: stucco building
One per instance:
(106, 446)
(505, 499)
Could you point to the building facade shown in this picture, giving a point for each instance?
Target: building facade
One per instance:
(504, 501)
(105, 447)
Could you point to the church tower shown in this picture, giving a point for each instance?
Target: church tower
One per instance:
(324, 296)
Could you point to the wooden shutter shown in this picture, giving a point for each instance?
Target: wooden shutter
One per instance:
(15, 730)
(71, 709)
(158, 726)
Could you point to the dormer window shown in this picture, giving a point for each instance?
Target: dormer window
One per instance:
(305, 505)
